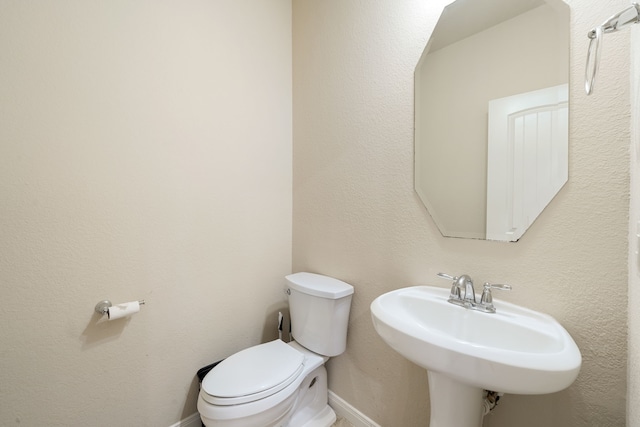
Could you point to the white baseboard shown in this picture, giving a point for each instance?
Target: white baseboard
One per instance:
(349, 413)
(192, 420)
(339, 405)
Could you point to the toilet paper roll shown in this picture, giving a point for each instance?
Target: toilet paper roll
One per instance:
(125, 309)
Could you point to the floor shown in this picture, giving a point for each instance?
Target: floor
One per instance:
(341, 422)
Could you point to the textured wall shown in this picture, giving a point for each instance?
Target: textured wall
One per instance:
(633, 409)
(145, 152)
(356, 216)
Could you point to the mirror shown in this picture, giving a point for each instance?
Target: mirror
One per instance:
(491, 116)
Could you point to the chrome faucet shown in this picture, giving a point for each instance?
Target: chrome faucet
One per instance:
(468, 299)
(465, 282)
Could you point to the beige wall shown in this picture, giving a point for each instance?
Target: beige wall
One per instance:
(356, 216)
(633, 397)
(145, 153)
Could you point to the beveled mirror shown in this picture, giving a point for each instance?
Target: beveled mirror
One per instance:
(491, 116)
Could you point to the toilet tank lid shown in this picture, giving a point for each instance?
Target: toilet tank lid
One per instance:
(319, 285)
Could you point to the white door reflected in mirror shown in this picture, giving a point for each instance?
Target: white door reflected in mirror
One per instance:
(528, 156)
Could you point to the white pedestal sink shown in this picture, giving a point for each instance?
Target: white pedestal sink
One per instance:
(515, 350)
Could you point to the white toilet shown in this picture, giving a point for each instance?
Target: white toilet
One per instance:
(278, 384)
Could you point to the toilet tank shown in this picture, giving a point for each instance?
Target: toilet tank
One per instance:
(319, 307)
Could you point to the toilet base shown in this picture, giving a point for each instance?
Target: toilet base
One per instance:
(311, 408)
(325, 418)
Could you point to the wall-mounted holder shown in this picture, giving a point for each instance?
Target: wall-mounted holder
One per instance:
(123, 310)
(630, 15)
(102, 307)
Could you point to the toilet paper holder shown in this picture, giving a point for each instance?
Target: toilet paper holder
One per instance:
(102, 307)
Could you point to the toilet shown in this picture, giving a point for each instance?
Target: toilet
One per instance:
(278, 384)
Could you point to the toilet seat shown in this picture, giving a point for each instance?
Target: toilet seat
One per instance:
(252, 374)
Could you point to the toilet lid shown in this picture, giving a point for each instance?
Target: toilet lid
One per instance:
(253, 373)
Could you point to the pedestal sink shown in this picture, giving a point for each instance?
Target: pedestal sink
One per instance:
(515, 350)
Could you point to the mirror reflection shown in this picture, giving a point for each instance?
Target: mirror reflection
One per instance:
(491, 116)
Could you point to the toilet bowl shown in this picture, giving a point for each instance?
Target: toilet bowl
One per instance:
(278, 384)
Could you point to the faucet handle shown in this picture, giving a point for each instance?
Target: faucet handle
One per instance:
(487, 299)
(488, 285)
(455, 290)
(446, 276)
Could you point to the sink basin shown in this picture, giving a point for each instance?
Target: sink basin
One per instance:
(515, 350)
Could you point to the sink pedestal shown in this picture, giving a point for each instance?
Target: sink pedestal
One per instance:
(454, 403)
